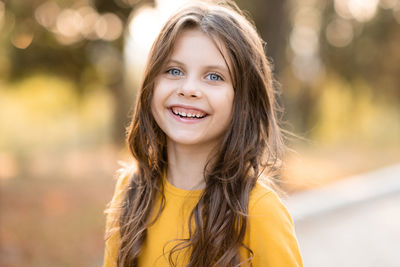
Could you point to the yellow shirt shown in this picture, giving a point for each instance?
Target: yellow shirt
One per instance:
(269, 234)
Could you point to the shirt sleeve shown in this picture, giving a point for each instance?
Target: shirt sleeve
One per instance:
(112, 230)
(271, 233)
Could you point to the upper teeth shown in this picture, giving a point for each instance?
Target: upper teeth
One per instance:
(189, 114)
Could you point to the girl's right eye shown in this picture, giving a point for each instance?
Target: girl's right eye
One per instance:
(174, 72)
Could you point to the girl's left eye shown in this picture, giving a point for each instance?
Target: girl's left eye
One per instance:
(214, 77)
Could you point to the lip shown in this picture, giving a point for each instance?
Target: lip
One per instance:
(188, 107)
(187, 120)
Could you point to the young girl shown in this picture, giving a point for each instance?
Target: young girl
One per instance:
(203, 131)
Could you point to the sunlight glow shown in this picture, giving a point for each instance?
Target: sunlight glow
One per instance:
(167, 7)
(361, 10)
(143, 28)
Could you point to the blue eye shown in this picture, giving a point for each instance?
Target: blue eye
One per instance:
(214, 77)
(174, 72)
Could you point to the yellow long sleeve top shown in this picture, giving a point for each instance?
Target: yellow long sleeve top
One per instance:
(269, 234)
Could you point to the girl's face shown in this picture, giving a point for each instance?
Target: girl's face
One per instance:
(193, 96)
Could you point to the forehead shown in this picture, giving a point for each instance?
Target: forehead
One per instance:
(193, 45)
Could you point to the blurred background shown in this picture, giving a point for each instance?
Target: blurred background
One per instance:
(69, 71)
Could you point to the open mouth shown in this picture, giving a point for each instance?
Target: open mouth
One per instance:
(188, 113)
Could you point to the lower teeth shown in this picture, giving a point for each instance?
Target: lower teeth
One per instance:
(189, 117)
(186, 117)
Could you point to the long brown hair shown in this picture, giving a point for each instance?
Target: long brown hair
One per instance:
(252, 143)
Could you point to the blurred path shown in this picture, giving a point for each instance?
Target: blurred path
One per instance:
(355, 222)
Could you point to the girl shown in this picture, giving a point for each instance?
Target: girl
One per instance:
(203, 131)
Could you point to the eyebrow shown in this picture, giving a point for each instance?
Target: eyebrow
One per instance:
(219, 67)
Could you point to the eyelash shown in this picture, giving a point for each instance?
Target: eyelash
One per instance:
(219, 77)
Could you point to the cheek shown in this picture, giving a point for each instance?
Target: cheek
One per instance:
(156, 97)
(157, 107)
(224, 108)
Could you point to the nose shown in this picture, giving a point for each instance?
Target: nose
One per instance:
(189, 88)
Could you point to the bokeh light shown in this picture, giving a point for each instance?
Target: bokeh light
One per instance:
(304, 41)
(46, 14)
(69, 23)
(361, 10)
(22, 40)
(339, 32)
(73, 25)
(90, 18)
(109, 27)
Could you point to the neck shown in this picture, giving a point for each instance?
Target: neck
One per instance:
(186, 165)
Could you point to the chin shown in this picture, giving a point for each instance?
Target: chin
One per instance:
(186, 139)
(186, 142)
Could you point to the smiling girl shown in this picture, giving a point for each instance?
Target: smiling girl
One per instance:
(203, 132)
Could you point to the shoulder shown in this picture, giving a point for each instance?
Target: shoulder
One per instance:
(264, 201)
(271, 235)
(123, 178)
